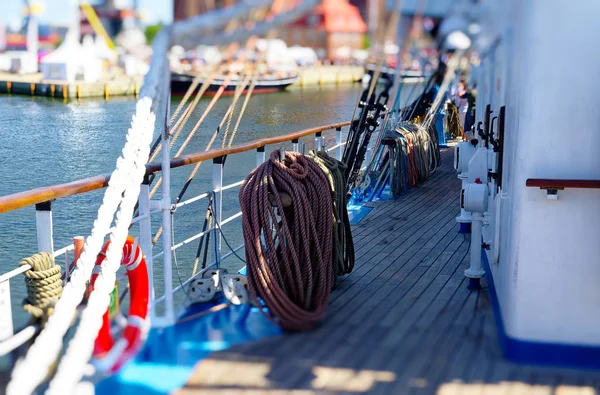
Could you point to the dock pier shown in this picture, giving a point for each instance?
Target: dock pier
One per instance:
(130, 86)
(71, 90)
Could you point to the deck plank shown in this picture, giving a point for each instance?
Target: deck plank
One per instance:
(403, 322)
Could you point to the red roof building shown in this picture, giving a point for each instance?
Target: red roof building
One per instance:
(330, 26)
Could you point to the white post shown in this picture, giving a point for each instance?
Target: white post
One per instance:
(338, 142)
(6, 318)
(260, 156)
(475, 271)
(318, 141)
(217, 184)
(146, 240)
(166, 213)
(43, 222)
(295, 145)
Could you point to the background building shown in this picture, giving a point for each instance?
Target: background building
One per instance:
(333, 29)
(183, 9)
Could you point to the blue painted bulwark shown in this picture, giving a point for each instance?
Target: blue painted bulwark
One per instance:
(357, 213)
(538, 353)
(474, 283)
(464, 227)
(169, 355)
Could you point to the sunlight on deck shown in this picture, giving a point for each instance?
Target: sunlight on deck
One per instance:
(512, 388)
(338, 379)
(214, 374)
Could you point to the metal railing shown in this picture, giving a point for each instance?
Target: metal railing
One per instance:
(147, 209)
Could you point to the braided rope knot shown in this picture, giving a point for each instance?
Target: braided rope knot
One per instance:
(44, 285)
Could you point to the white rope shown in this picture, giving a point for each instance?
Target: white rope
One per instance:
(80, 349)
(33, 369)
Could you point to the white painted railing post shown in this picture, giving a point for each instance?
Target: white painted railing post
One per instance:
(260, 156)
(217, 185)
(166, 214)
(295, 145)
(6, 318)
(318, 141)
(146, 239)
(338, 143)
(43, 222)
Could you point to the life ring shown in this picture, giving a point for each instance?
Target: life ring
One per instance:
(108, 354)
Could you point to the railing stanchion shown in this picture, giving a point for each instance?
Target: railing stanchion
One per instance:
(146, 239)
(217, 184)
(318, 141)
(260, 156)
(43, 223)
(166, 215)
(338, 143)
(295, 145)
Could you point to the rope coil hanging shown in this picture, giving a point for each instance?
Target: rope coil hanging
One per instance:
(343, 251)
(288, 252)
(44, 285)
(452, 121)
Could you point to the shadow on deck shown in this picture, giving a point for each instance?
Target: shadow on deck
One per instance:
(403, 322)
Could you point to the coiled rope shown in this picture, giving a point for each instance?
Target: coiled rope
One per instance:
(44, 285)
(343, 251)
(452, 121)
(288, 255)
(413, 155)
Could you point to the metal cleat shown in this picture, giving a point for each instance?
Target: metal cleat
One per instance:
(235, 288)
(200, 290)
(215, 275)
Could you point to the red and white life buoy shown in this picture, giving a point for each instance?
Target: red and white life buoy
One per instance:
(111, 355)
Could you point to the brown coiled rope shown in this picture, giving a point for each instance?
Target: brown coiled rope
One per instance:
(289, 256)
(452, 121)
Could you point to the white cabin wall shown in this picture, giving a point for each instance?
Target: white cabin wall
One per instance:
(497, 95)
(548, 275)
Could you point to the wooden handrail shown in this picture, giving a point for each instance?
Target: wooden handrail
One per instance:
(549, 183)
(45, 194)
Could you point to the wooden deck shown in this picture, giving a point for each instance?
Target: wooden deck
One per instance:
(403, 322)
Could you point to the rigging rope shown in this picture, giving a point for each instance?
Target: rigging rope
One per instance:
(238, 92)
(290, 267)
(44, 285)
(343, 251)
(195, 129)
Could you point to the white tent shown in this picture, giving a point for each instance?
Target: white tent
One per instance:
(103, 51)
(209, 54)
(276, 51)
(71, 61)
(303, 55)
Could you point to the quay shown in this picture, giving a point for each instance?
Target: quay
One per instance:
(35, 86)
(327, 75)
(129, 86)
(403, 322)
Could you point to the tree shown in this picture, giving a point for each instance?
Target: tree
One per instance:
(151, 31)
